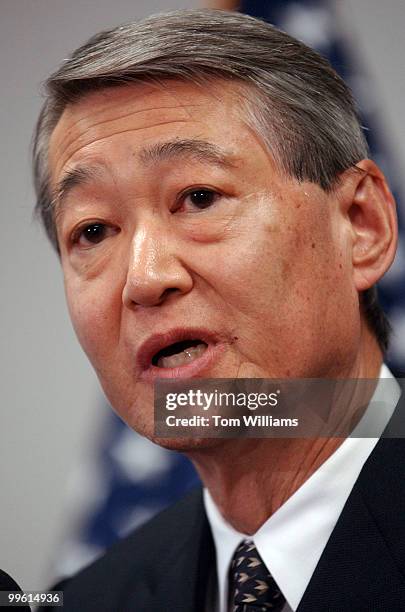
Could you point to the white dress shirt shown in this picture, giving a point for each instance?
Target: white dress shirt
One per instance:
(291, 541)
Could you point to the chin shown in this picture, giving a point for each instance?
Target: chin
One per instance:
(140, 418)
(186, 445)
(143, 424)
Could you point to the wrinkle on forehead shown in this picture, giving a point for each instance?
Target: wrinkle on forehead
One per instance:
(106, 113)
(80, 142)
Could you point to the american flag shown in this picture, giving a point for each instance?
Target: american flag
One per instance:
(129, 479)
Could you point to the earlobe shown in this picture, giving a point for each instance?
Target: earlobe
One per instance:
(374, 225)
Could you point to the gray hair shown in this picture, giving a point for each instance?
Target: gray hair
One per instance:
(290, 94)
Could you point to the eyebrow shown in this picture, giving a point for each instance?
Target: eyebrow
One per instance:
(72, 178)
(200, 150)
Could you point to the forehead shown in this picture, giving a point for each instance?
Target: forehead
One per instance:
(133, 114)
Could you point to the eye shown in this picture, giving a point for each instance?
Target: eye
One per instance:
(199, 198)
(92, 234)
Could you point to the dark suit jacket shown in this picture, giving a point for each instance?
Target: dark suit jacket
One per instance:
(166, 565)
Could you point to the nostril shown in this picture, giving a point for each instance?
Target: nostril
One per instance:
(151, 283)
(138, 298)
(167, 292)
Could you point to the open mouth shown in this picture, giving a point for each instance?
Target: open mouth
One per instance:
(179, 353)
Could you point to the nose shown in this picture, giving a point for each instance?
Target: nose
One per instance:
(155, 269)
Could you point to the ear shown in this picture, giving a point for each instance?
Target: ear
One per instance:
(371, 212)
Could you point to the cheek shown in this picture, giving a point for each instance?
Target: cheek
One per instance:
(266, 268)
(288, 271)
(95, 313)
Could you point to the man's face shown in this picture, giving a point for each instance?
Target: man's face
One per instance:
(179, 234)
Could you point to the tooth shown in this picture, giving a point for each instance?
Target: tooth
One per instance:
(189, 354)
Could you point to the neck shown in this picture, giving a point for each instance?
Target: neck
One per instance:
(249, 479)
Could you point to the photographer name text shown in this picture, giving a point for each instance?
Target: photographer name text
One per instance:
(217, 420)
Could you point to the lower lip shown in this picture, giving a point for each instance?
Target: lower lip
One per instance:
(188, 370)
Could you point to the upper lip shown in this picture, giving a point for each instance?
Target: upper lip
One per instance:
(157, 342)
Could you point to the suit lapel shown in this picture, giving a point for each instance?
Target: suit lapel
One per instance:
(180, 580)
(185, 571)
(363, 565)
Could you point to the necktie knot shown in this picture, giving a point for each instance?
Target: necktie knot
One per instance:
(252, 588)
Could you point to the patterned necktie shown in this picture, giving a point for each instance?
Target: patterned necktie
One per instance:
(251, 587)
